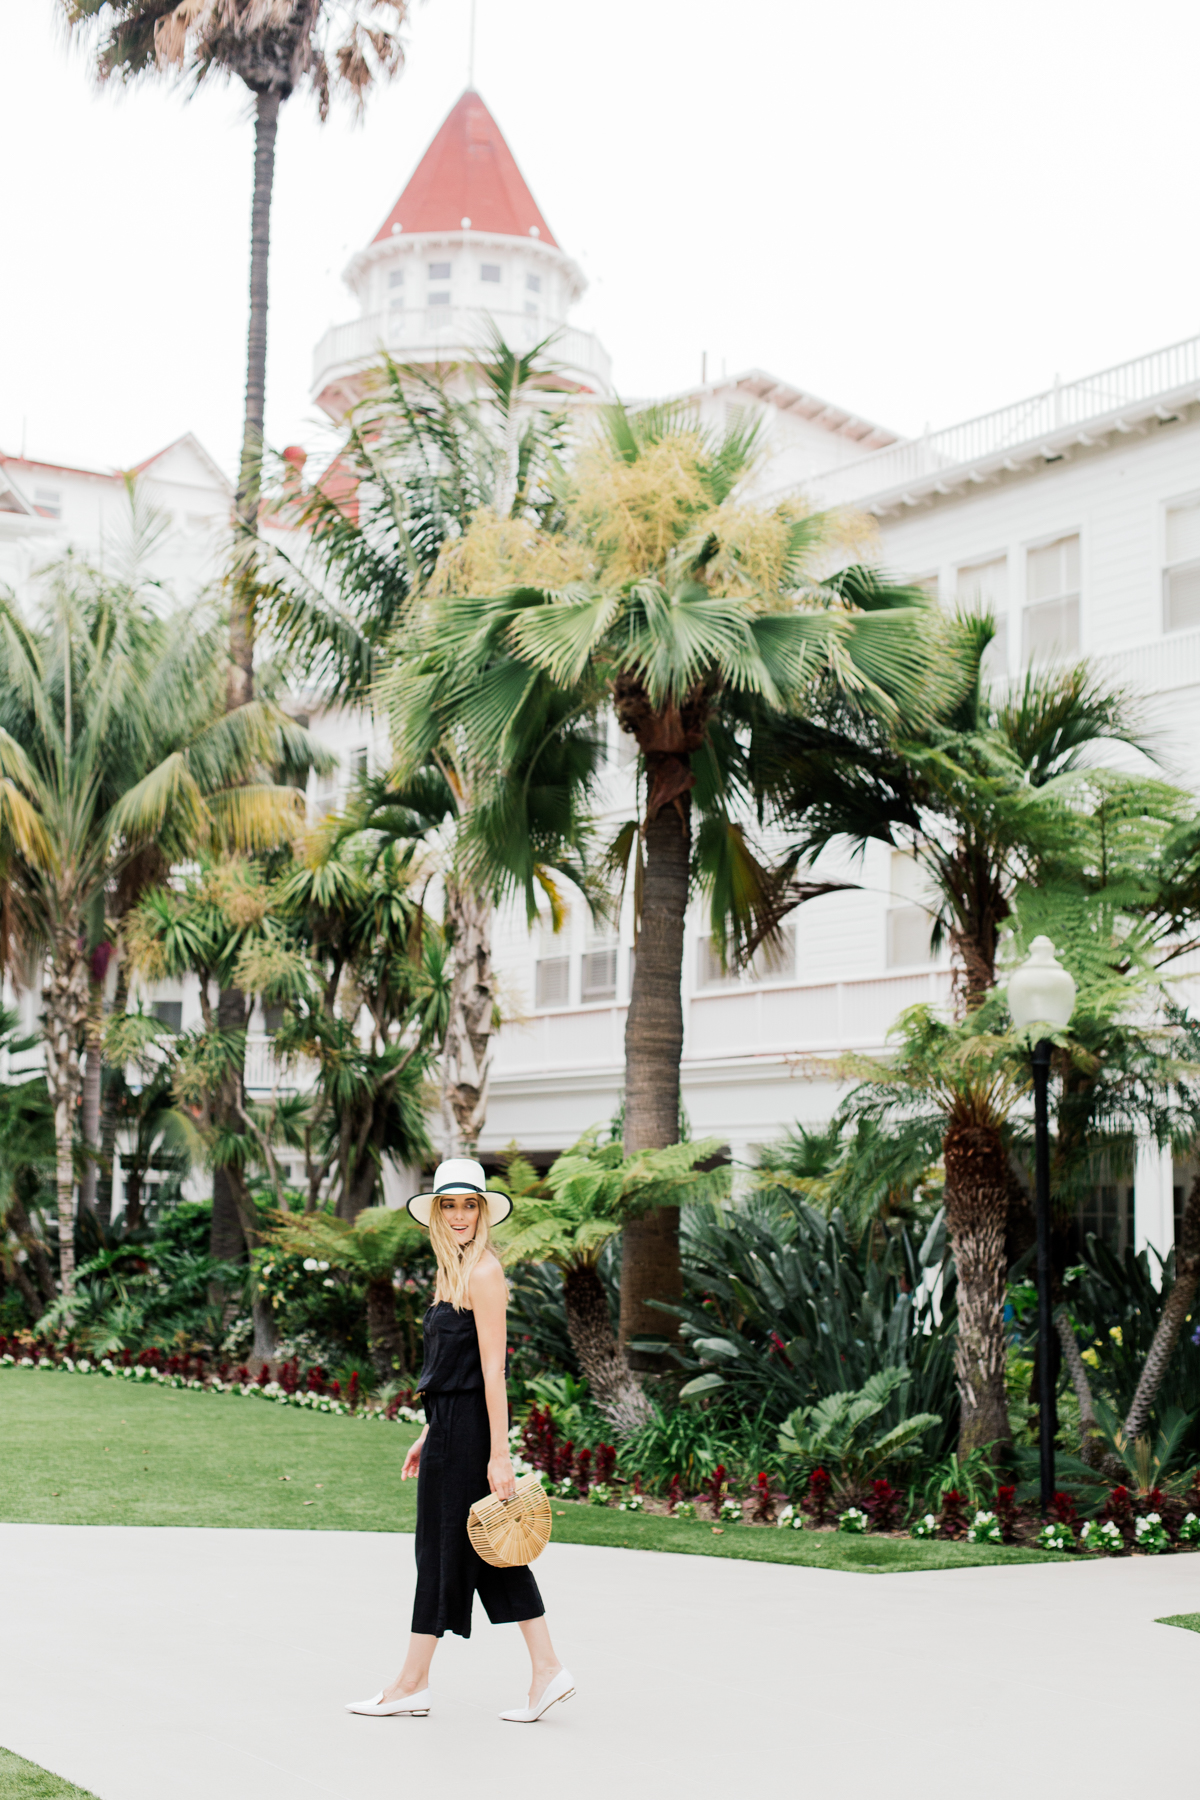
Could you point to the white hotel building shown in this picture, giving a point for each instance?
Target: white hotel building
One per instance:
(1074, 514)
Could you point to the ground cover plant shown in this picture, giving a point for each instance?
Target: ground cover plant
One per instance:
(21, 1780)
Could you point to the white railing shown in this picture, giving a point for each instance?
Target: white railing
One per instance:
(786, 1018)
(419, 333)
(264, 1074)
(1067, 406)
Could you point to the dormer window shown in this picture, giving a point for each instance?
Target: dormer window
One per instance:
(439, 271)
(489, 271)
(533, 284)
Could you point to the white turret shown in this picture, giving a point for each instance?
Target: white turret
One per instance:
(464, 247)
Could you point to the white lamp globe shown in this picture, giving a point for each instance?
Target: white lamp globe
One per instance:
(1041, 992)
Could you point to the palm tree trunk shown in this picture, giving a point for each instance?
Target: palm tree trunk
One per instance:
(240, 681)
(108, 1115)
(90, 1121)
(1091, 1445)
(65, 1005)
(229, 1241)
(650, 1266)
(19, 1224)
(615, 1389)
(384, 1337)
(226, 1240)
(976, 1213)
(470, 1029)
(1172, 1319)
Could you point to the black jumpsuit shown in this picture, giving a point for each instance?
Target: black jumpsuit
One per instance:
(452, 1475)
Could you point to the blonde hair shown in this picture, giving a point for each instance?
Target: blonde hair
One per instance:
(456, 1264)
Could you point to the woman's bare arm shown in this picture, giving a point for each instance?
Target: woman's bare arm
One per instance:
(489, 1299)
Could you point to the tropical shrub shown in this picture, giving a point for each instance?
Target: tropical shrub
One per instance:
(783, 1306)
(846, 1432)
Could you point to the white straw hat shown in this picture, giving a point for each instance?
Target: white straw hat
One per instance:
(460, 1176)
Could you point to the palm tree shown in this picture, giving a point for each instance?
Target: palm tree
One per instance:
(695, 616)
(109, 746)
(437, 466)
(954, 1087)
(976, 794)
(590, 1194)
(272, 47)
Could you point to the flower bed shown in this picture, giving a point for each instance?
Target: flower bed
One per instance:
(153, 1368)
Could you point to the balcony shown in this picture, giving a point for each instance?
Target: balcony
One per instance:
(424, 334)
(1045, 425)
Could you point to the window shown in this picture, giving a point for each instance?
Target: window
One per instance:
(272, 1019)
(776, 962)
(552, 974)
(533, 284)
(553, 981)
(48, 501)
(599, 976)
(711, 971)
(489, 271)
(442, 299)
(439, 271)
(983, 588)
(1108, 1213)
(909, 919)
(358, 763)
(1181, 577)
(531, 308)
(1050, 627)
(169, 1013)
(395, 278)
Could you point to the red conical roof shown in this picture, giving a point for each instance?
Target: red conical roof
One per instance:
(468, 172)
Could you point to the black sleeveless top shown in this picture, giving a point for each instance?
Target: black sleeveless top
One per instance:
(451, 1363)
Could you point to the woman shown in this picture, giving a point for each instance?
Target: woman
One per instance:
(463, 1447)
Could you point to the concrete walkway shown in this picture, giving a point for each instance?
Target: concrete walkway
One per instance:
(211, 1665)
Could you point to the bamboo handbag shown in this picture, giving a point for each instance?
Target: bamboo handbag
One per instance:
(510, 1533)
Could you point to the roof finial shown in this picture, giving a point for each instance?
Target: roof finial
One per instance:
(471, 52)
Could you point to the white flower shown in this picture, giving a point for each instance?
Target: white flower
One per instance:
(322, 1265)
(328, 1281)
(633, 1503)
(311, 1264)
(27, 1362)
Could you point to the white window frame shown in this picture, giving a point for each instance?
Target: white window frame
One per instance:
(1177, 503)
(1043, 542)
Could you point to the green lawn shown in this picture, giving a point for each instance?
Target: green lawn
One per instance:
(82, 1450)
(21, 1780)
(1189, 1621)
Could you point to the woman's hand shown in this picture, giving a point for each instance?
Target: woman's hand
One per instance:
(501, 1479)
(412, 1462)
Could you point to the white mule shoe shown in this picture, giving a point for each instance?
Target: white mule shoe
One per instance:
(560, 1688)
(379, 1708)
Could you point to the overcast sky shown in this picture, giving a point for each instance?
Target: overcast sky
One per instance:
(918, 211)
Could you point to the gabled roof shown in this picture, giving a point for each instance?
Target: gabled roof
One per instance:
(468, 177)
(191, 443)
(800, 402)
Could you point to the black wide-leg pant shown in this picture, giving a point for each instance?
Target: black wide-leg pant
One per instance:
(452, 1475)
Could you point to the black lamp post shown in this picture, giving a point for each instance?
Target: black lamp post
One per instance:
(1041, 992)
